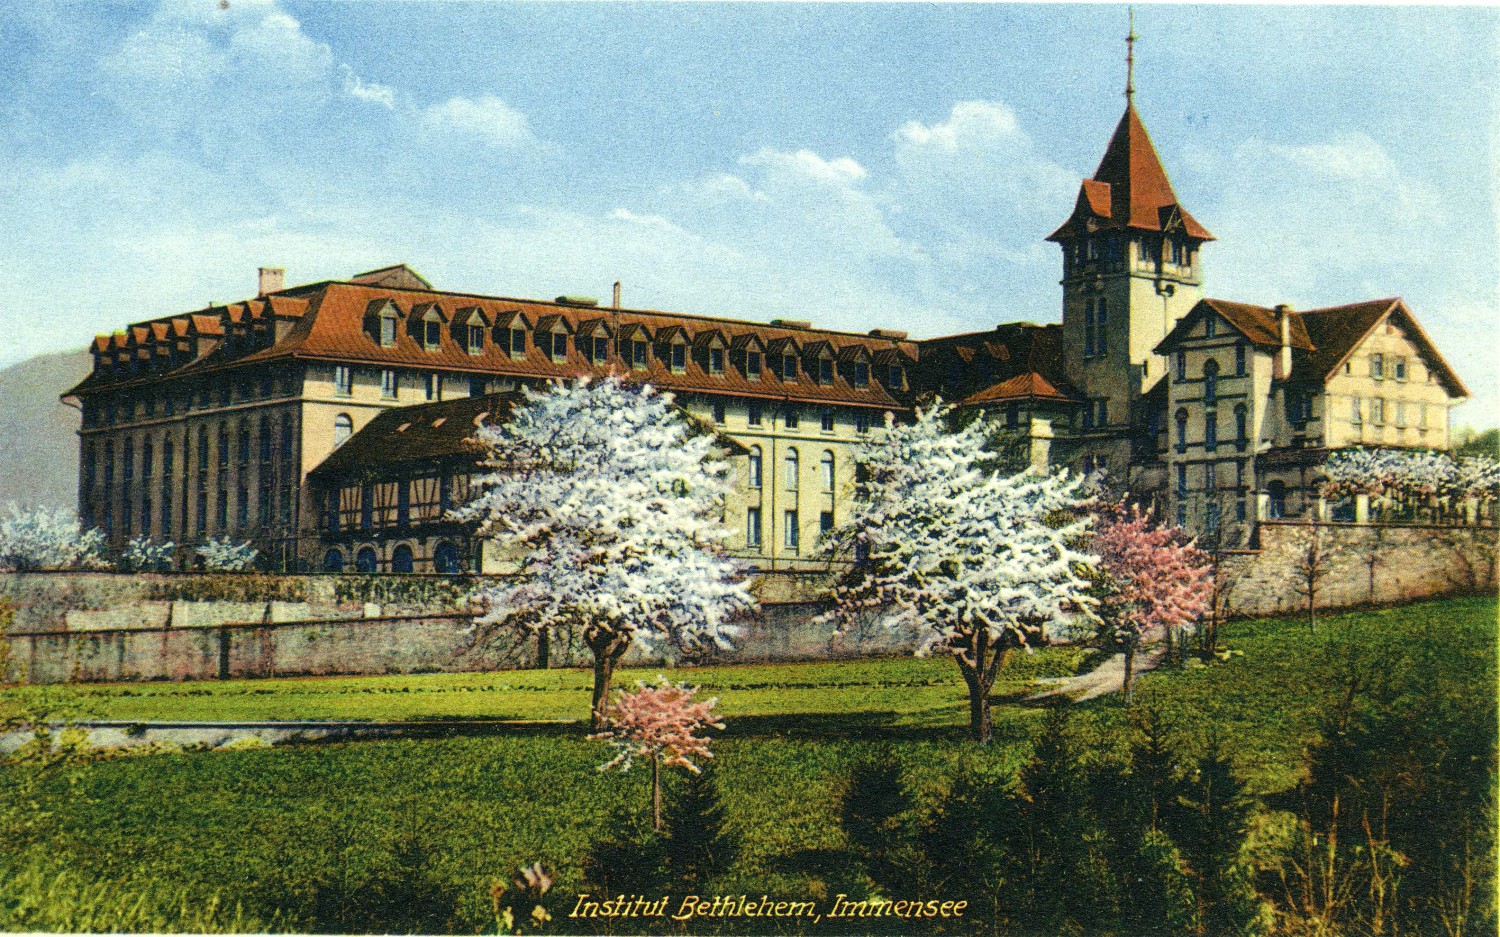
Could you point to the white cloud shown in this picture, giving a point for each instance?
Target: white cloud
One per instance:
(368, 90)
(486, 118)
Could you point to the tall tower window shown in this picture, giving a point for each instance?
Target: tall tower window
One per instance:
(1095, 316)
(1210, 381)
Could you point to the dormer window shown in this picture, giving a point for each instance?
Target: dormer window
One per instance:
(638, 354)
(600, 349)
(861, 374)
(559, 346)
(517, 342)
(788, 367)
(896, 377)
(476, 339)
(387, 327)
(679, 357)
(432, 332)
(716, 361)
(752, 365)
(825, 370)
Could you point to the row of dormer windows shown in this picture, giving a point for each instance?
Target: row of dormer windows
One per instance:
(636, 352)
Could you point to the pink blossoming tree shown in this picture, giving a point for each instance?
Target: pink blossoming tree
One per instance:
(658, 723)
(1157, 580)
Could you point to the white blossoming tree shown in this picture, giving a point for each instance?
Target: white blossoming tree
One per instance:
(979, 562)
(45, 538)
(613, 500)
(144, 555)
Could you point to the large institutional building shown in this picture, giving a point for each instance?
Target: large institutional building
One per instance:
(327, 422)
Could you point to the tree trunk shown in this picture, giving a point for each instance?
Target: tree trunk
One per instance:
(980, 677)
(543, 648)
(656, 791)
(1129, 669)
(980, 727)
(1312, 611)
(607, 653)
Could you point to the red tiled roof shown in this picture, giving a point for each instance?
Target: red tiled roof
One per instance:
(1256, 323)
(1130, 188)
(1028, 386)
(333, 326)
(1015, 361)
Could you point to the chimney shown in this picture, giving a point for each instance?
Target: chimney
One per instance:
(272, 280)
(1284, 331)
(617, 294)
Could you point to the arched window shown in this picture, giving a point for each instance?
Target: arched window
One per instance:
(755, 467)
(1182, 418)
(827, 470)
(401, 559)
(365, 560)
(343, 428)
(792, 470)
(445, 558)
(333, 561)
(1210, 381)
(1277, 492)
(1241, 426)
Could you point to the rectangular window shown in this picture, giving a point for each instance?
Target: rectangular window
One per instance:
(1182, 365)
(716, 361)
(861, 374)
(826, 421)
(388, 384)
(753, 414)
(434, 387)
(1239, 508)
(752, 528)
(1356, 406)
(791, 471)
(825, 370)
(638, 355)
(789, 530)
(1182, 487)
(719, 413)
(1377, 367)
(1211, 430)
(432, 334)
(752, 365)
(559, 346)
(861, 422)
(518, 343)
(1401, 413)
(1377, 410)
(476, 339)
(679, 358)
(1181, 514)
(792, 417)
(755, 467)
(825, 522)
(387, 331)
(1400, 369)
(788, 367)
(601, 349)
(896, 377)
(1101, 419)
(343, 380)
(1239, 360)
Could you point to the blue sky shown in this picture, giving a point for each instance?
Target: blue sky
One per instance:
(857, 165)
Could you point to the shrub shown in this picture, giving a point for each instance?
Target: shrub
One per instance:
(144, 555)
(44, 538)
(226, 556)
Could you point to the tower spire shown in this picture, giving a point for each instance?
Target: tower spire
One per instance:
(1130, 60)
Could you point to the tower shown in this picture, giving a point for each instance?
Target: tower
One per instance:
(1130, 270)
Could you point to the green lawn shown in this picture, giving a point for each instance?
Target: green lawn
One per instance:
(411, 834)
(902, 691)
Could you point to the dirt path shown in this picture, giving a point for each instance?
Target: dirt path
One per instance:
(1108, 677)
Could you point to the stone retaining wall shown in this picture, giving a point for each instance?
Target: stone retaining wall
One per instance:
(116, 627)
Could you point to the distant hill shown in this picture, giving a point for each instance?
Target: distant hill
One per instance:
(38, 433)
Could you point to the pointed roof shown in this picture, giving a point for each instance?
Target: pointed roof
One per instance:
(1130, 188)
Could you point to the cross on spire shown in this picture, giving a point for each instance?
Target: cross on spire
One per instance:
(1130, 60)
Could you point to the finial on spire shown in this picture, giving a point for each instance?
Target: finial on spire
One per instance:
(1130, 60)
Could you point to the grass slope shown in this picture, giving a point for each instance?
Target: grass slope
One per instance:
(410, 834)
